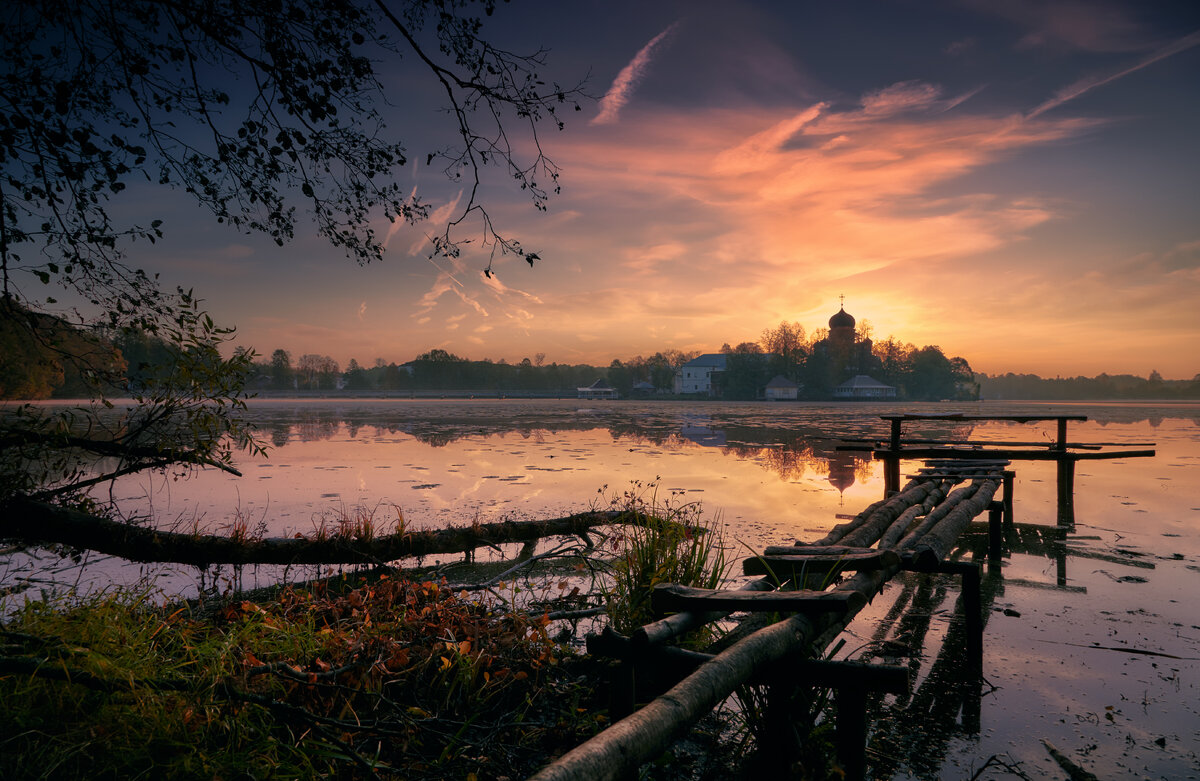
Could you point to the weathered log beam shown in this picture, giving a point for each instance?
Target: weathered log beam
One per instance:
(842, 529)
(936, 514)
(1006, 453)
(869, 532)
(618, 751)
(669, 597)
(816, 550)
(898, 527)
(935, 544)
(849, 533)
(38, 522)
(936, 416)
(991, 442)
(667, 629)
(795, 567)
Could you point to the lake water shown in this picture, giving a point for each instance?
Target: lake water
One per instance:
(1085, 646)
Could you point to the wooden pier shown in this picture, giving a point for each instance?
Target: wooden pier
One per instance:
(897, 448)
(822, 585)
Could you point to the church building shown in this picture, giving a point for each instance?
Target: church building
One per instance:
(848, 361)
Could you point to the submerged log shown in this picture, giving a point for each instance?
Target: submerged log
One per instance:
(38, 522)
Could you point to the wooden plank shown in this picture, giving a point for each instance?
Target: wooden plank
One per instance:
(799, 549)
(989, 442)
(923, 475)
(789, 567)
(666, 629)
(935, 416)
(837, 674)
(670, 597)
(1115, 454)
(1012, 455)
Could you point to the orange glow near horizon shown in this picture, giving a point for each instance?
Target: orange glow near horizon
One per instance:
(1033, 223)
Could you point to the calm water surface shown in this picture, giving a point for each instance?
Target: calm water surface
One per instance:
(1093, 645)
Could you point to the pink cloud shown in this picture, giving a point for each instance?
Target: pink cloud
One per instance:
(626, 81)
(1087, 25)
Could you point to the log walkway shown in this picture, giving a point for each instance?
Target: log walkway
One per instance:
(823, 585)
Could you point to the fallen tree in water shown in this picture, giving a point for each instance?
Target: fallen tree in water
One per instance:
(34, 522)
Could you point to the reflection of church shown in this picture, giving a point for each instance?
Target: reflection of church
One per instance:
(842, 469)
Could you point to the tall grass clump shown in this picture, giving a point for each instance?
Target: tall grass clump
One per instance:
(660, 541)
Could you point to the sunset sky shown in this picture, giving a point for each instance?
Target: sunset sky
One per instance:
(1017, 183)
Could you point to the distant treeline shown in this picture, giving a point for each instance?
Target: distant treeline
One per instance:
(433, 370)
(1104, 386)
(68, 360)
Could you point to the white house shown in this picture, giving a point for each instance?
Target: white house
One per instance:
(696, 376)
(862, 387)
(780, 388)
(600, 389)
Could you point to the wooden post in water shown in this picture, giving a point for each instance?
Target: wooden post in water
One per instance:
(973, 613)
(851, 681)
(995, 532)
(891, 464)
(1010, 478)
(1066, 490)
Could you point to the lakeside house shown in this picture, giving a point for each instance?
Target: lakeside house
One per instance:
(696, 376)
(780, 388)
(862, 387)
(644, 388)
(600, 389)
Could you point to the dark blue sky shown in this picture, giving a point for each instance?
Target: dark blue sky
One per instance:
(1017, 182)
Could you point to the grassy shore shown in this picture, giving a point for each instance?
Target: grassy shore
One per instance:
(367, 675)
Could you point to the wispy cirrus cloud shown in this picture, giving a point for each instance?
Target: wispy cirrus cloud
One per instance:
(750, 216)
(1088, 83)
(1085, 25)
(625, 82)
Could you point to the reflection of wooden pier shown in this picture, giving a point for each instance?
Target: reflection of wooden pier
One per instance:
(919, 528)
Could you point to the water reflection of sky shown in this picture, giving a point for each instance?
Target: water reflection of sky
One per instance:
(772, 474)
(485, 461)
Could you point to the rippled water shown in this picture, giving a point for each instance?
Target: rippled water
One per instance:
(1092, 644)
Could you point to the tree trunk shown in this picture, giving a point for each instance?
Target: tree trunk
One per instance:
(881, 519)
(37, 522)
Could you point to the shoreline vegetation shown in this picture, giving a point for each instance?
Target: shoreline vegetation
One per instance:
(135, 360)
(373, 673)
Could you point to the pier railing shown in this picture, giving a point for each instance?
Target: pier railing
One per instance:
(1065, 453)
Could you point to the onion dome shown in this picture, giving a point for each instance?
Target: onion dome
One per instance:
(841, 320)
